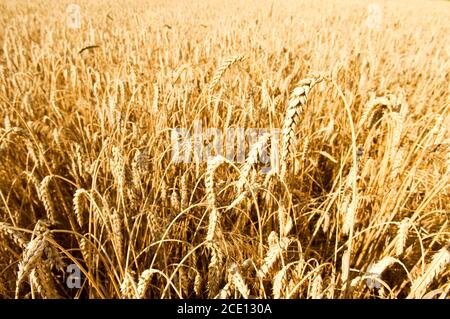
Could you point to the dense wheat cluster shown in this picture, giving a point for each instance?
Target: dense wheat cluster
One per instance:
(356, 203)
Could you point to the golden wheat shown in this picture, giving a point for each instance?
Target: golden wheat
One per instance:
(351, 201)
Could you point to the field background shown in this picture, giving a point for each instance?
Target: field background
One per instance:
(86, 176)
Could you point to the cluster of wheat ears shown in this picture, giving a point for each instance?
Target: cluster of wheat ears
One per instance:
(357, 206)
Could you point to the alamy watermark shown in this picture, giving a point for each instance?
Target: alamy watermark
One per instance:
(374, 279)
(374, 16)
(73, 280)
(198, 144)
(73, 16)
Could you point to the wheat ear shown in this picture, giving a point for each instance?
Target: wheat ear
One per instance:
(128, 288)
(280, 282)
(376, 270)
(373, 110)
(402, 236)
(39, 277)
(44, 195)
(345, 267)
(16, 237)
(438, 264)
(221, 70)
(349, 217)
(295, 109)
(251, 160)
(212, 165)
(35, 251)
(144, 282)
(31, 257)
(117, 236)
(155, 98)
(184, 192)
(238, 281)
(78, 205)
(316, 289)
(215, 270)
(276, 248)
(225, 292)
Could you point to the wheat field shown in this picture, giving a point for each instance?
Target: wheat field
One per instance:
(351, 101)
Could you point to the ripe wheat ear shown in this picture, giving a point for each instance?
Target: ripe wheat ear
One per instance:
(296, 107)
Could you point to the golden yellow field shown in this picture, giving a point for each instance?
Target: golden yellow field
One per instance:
(228, 149)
